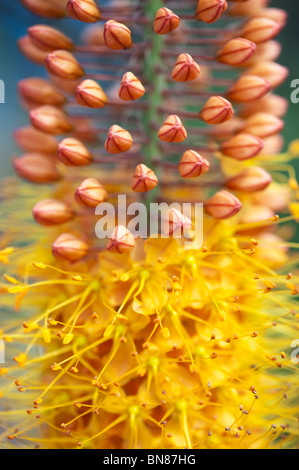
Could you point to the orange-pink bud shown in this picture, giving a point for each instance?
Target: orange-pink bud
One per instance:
(176, 222)
(242, 146)
(121, 240)
(251, 179)
(50, 119)
(72, 152)
(117, 35)
(172, 130)
(192, 165)
(64, 64)
(31, 52)
(223, 205)
(165, 21)
(83, 10)
(131, 88)
(248, 88)
(93, 35)
(275, 14)
(185, 69)
(273, 104)
(118, 140)
(69, 247)
(91, 193)
(144, 179)
(260, 30)
(216, 110)
(30, 139)
(48, 38)
(36, 168)
(90, 93)
(38, 91)
(270, 71)
(263, 125)
(268, 51)
(52, 212)
(236, 51)
(49, 9)
(210, 11)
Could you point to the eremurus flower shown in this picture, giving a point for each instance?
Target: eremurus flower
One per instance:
(131, 343)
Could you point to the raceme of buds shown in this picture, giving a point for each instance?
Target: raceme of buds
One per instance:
(117, 35)
(192, 165)
(63, 64)
(50, 119)
(263, 125)
(242, 146)
(274, 73)
(121, 240)
(144, 179)
(185, 69)
(176, 222)
(31, 52)
(83, 10)
(252, 179)
(236, 51)
(38, 91)
(52, 212)
(222, 205)
(248, 88)
(91, 193)
(72, 152)
(49, 9)
(118, 140)
(30, 139)
(210, 11)
(165, 21)
(90, 93)
(216, 110)
(172, 130)
(260, 30)
(49, 39)
(131, 88)
(36, 168)
(69, 247)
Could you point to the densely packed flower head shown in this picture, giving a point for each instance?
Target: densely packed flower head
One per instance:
(132, 343)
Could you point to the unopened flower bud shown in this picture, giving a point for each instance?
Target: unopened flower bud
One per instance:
(185, 69)
(222, 205)
(31, 52)
(48, 38)
(63, 64)
(91, 193)
(246, 8)
(273, 104)
(176, 222)
(252, 179)
(39, 91)
(131, 88)
(50, 119)
(242, 146)
(236, 51)
(72, 152)
(275, 196)
(165, 21)
(52, 212)
(248, 88)
(83, 10)
(49, 9)
(275, 14)
(69, 247)
(260, 30)
(117, 35)
(90, 93)
(216, 110)
(210, 11)
(263, 125)
(36, 168)
(30, 139)
(93, 35)
(118, 140)
(84, 129)
(144, 179)
(192, 165)
(270, 71)
(273, 145)
(268, 51)
(172, 130)
(121, 240)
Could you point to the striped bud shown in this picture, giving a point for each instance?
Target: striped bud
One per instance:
(52, 212)
(117, 35)
(121, 240)
(273, 104)
(263, 125)
(172, 130)
(176, 222)
(274, 73)
(260, 30)
(185, 69)
(252, 179)
(38, 91)
(210, 11)
(118, 140)
(165, 21)
(216, 110)
(63, 64)
(91, 193)
(50, 119)
(131, 88)
(49, 9)
(69, 247)
(242, 146)
(192, 165)
(246, 8)
(36, 168)
(49, 39)
(83, 10)
(30, 139)
(248, 88)
(223, 205)
(236, 51)
(31, 52)
(144, 179)
(72, 152)
(275, 14)
(90, 93)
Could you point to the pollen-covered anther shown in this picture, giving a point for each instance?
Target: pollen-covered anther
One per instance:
(251, 179)
(63, 64)
(118, 140)
(185, 69)
(144, 179)
(50, 119)
(49, 9)
(172, 130)
(236, 51)
(242, 146)
(36, 168)
(216, 110)
(90, 93)
(73, 153)
(38, 91)
(210, 11)
(131, 88)
(91, 193)
(260, 30)
(83, 10)
(52, 212)
(49, 39)
(117, 35)
(263, 125)
(192, 164)
(165, 21)
(175, 222)
(69, 247)
(222, 205)
(121, 240)
(248, 88)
